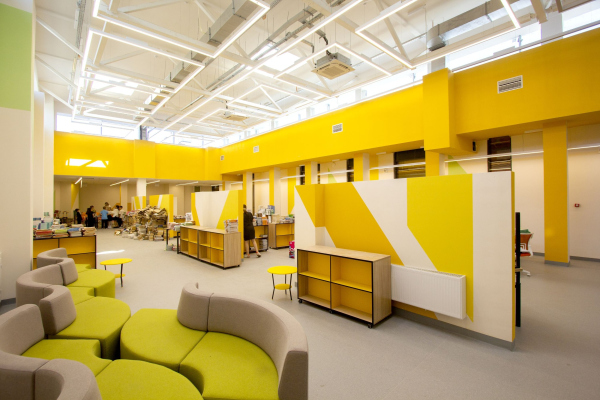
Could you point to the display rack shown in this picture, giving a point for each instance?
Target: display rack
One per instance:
(280, 235)
(259, 232)
(82, 249)
(213, 246)
(349, 282)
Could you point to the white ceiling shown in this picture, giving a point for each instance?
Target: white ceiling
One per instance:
(198, 107)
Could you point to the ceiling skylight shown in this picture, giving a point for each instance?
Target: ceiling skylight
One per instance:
(282, 62)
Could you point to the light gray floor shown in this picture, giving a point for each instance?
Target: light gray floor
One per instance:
(557, 354)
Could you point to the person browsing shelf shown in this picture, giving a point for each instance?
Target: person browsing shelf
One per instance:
(249, 234)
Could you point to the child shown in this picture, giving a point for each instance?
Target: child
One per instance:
(104, 213)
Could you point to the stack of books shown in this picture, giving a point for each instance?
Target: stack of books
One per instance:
(89, 231)
(74, 232)
(60, 233)
(43, 233)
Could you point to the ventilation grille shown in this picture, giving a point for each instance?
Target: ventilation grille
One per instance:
(333, 69)
(222, 158)
(255, 149)
(510, 84)
(337, 128)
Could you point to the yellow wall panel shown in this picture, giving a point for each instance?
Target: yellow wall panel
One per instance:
(179, 162)
(145, 159)
(440, 216)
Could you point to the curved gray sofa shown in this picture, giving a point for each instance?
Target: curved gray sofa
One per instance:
(34, 378)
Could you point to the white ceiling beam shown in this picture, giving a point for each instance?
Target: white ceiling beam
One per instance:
(55, 72)
(148, 6)
(257, 105)
(122, 57)
(403, 21)
(270, 98)
(391, 29)
(59, 36)
(57, 97)
(540, 12)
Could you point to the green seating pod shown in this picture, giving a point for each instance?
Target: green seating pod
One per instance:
(83, 267)
(81, 294)
(103, 282)
(86, 352)
(157, 336)
(224, 366)
(98, 318)
(132, 379)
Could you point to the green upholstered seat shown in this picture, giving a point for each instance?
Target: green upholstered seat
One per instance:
(83, 267)
(132, 379)
(99, 318)
(103, 282)
(223, 366)
(81, 294)
(85, 351)
(158, 337)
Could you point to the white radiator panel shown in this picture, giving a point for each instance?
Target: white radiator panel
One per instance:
(435, 291)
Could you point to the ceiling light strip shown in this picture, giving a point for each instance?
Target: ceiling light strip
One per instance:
(365, 59)
(150, 183)
(335, 172)
(388, 12)
(118, 183)
(385, 48)
(302, 61)
(113, 83)
(511, 14)
(184, 184)
(397, 166)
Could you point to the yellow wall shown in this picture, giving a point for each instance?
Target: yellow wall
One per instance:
(444, 114)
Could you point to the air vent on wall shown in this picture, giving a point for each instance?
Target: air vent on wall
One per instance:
(507, 85)
(337, 128)
(255, 149)
(222, 158)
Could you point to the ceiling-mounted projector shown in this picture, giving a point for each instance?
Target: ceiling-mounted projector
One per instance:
(333, 65)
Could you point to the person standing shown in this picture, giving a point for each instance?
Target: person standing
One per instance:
(91, 218)
(78, 216)
(249, 234)
(115, 215)
(104, 214)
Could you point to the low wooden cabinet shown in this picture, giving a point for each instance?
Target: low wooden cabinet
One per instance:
(261, 232)
(280, 235)
(349, 282)
(213, 246)
(82, 249)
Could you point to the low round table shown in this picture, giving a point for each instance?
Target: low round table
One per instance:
(282, 270)
(117, 261)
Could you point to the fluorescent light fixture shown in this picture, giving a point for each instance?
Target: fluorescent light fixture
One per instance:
(364, 59)
(585, 147)
(189, 183)
(397, 166)
(110, 78)
(144, 46)
(86, 53)
(336, 172)
(302, 87)
(295, 176)
(388, 12)
(78, 180)
(118, 183)
(211, 53)
(380, 154)
(260, 180)
(511, 13)
(150, 183)
(496, 155)
(385, 48)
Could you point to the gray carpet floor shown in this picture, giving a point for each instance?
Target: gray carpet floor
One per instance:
(557, 353)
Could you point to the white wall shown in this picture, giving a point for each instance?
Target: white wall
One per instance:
(178, 193)
(97, 194)
(584, 189)
(385, 160)
(261, 190)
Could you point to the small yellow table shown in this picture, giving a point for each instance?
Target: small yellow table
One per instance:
(117, 261)
(282, 270)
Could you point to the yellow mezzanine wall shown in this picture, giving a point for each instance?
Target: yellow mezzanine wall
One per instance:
(461, 224)
(467, 107)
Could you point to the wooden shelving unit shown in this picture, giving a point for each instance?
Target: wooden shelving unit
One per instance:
(261, 232)
(82, 249)
(280, 235)
(213, 246)
(349, 282)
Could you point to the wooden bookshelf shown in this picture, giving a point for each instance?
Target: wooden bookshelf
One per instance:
(348, 282)
(212, 246)
(82, 249)
(261, 232)
(280, 235)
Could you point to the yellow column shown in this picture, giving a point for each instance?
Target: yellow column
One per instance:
(432, 163)
(556, 201)
(361, 167)
(291, 182)
(272, 186)
(374, 163)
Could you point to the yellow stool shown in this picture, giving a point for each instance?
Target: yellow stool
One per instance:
(117, 261)
(282, 270)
